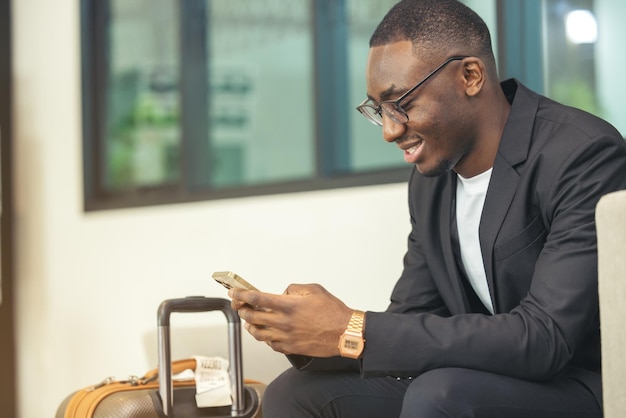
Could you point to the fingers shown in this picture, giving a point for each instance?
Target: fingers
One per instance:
(261, 322)
(257, 316)
(242, 297)
(272, 301)
(237, 300)
(258, 300)
(267, 336)
(259, 333)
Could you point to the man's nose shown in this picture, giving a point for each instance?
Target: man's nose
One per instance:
(392, 130)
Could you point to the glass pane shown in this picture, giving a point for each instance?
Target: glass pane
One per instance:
(261, 124)
(487, 10)
(582, 68)
(610, 61)
(142, 127)
(368, 149)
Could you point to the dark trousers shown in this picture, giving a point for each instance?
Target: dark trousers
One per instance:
(449, 393)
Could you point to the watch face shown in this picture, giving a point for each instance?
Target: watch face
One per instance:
(351, 346)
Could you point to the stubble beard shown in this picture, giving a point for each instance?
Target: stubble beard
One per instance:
(442, 167)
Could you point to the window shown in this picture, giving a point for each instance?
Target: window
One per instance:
(582, 63)
(566, 50)
(203, 99)
(200, 99)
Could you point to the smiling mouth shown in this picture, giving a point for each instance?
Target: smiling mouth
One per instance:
(412, 149)
(413, 153)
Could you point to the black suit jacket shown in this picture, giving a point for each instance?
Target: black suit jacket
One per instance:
(538, 239)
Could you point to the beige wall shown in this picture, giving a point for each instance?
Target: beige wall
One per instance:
(88, 284)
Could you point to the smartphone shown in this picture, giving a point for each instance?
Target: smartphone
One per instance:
(228, 279)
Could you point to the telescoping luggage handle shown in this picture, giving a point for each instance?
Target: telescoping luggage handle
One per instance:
(199, 304)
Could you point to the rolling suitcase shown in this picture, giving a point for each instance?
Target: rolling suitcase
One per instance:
(155, 395)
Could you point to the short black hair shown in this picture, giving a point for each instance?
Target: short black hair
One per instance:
(436, 28)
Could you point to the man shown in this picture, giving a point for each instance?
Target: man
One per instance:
(496, 311)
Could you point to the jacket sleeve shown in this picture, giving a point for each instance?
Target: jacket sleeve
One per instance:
(415, 291)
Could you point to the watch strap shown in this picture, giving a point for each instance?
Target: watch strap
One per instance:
(357, 320)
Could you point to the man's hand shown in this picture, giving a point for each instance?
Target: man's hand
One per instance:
(306, 319)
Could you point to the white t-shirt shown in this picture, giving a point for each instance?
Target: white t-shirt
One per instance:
(470, 199)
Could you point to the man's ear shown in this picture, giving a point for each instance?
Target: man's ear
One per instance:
(474, 73)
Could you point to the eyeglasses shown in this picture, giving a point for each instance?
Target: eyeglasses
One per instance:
(392, 108)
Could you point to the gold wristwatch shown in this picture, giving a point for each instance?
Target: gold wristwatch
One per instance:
(351, 343)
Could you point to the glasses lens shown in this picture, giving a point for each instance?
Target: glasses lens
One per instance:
(371, 114)
(395, 112)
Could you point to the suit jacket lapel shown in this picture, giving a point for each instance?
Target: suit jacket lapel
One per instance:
(501, 190)
(512, 151)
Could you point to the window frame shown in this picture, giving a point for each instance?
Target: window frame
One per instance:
(520, 46)
(8, 308)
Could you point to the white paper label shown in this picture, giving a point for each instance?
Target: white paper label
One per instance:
(212, 382)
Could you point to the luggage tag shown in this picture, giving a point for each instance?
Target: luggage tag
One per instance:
(212, 378)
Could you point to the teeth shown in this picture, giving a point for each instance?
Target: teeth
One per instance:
(412, 149)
